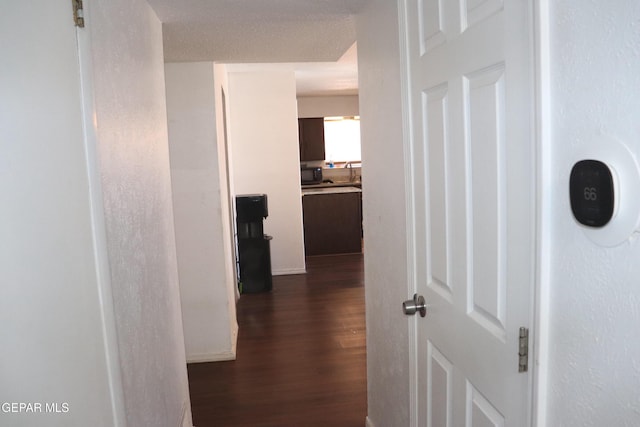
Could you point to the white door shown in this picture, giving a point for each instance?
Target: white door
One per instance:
(470, 97)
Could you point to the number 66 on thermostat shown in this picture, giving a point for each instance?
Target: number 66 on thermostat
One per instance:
(604, 190)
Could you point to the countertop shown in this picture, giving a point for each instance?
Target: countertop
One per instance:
(334, 184)
(330, 190)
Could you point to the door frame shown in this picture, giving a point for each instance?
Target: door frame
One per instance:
(538, 347)
(84, 40)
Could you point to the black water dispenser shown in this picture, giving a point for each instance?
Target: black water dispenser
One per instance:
(254, 254)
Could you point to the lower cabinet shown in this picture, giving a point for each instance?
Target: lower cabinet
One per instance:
(332, 223)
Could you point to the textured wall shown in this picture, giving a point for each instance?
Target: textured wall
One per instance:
(594, 356)
(384, 214)
(134, 159)
(205, 260)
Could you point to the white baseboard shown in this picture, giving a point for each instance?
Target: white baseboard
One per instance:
(222, 356)
(211, 357)
(234, 339)
(369, 423)
(185, 420)
(287, 271)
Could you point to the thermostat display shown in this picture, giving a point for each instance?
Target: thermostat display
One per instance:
(591, 191)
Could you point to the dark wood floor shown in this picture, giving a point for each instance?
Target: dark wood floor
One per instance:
(301, 354)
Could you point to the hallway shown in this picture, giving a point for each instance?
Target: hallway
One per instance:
(301, 358)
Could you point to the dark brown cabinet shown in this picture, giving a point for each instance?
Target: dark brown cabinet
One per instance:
(332, 223)
(311, 133)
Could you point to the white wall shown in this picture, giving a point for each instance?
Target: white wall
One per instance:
(594, 348)
(131, 127)
(384, 207)
(328, 106)
(52, 332)
(263, 139)
(205, 263)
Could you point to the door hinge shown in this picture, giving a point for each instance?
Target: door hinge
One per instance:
(78, 13)
(523, 350)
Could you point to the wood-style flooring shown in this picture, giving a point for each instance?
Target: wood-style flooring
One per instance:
(301, 355)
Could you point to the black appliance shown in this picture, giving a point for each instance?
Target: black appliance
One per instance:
(311, 175)
(254, 254)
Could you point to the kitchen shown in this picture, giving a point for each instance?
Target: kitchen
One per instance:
(331, 177)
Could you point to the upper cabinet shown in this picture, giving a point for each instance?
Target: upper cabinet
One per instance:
(311, 133)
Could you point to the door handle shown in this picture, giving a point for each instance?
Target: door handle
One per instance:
(417, 304)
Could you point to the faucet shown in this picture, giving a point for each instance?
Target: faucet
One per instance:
(352, 173)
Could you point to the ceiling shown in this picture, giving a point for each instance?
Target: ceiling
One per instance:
(314, 38)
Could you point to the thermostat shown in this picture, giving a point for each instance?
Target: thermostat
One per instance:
(591, 192)
(604, 186)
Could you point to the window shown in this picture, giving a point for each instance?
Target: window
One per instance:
(342, 139)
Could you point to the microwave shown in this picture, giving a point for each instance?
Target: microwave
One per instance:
(311, 175)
